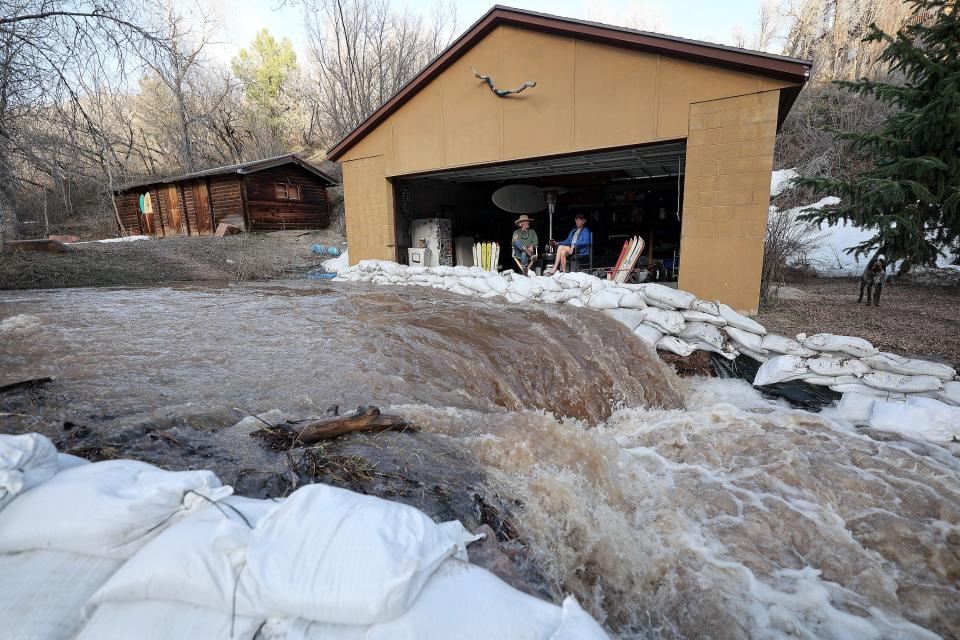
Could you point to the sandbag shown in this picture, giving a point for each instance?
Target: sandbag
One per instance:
(867, 390)
(559, 297)
(630, 318)
(332, 555)
(650, 335)
(950, 393)
(25, 461)
(461, 290)
(855, 408)
(109, 508)
(480, 285)
(196, 561)
(674, 345)
(43, 593)
(921, 418)
(497, 283)
(705, 306)
(856, 347)
(703, 332)
(893, 363)
(741, 321)
(670, 322)
(516, 298)
(830, 366)
(745, 339)
(781, 369)
(546, 283)
(676, 298)
(827, 381)
(604, 300)
(633, 300)
(575, 302)
(699, 316)
(159, 620)
(785, 346)
(897, 383)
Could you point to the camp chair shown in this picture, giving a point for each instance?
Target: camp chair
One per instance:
(581, 263)
(530, 263)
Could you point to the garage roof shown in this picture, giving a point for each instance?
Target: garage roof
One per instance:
(766, 64)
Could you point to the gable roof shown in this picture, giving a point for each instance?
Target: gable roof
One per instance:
(241, 169)
(766, 64)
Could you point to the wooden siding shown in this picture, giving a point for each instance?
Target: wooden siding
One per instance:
(128, 204)
(266, 213)
(226, 201)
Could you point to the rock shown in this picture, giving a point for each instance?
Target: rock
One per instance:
(44, 245)
(226, 229)
(487, 553)
(932, 276)
(63, 238)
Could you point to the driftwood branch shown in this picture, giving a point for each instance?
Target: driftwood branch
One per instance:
(502, 92)
(25, 384)
(333, 426)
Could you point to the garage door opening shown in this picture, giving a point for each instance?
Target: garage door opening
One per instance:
(623, 192)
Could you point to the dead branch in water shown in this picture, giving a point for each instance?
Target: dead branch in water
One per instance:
(25, 384)
(364, 419)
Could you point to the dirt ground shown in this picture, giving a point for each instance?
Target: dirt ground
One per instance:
(255, 256)
(911, 320)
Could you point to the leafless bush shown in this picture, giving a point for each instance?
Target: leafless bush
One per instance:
(787, 249)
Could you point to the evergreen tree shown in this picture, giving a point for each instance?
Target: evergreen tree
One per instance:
(910, 196)
(268, 71)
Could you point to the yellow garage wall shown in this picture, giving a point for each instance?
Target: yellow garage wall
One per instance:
(726, 195)
(371, 228)
(588, 96)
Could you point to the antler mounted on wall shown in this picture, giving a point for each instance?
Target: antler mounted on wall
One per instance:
(501, 92)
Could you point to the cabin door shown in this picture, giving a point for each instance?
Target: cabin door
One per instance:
(201, 199)
(174, 218)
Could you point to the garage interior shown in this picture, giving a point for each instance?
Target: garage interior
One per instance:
(624, 192)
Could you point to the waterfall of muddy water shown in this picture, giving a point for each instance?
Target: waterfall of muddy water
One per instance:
(669, 508)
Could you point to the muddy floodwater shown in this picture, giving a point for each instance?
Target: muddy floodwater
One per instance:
(669, 507)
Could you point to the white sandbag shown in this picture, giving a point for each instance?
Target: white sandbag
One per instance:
(547, 283)
(633, 300)
(109, 508)
(856, 347)
(674, 345)
(577, 624)
(497, 283)
(705, 306)
(649, 334)
(516, 298)
(828, 381)
(920, 418)
(579, 279)
(159, 620)
(467, 602)
(785, 346)
(830, 366)
(442, 270)
(909, 366)
(659, 304)
(43, 593)
(950, 393)
(745, 339)
(670, 322)
(559, 297)
(526, 287)
(25, 461)
(676, 298)
(630, 318)
(333, 555)
(855, 408)
(606, 299)
(480, 285)
(461, 271)
(741, 321)
(461, 290)
(781, 369)
(575, 302)
(196, 561)
(868, 390)
(68, 461)
(703, 332)
(897, 383)
(699, 316)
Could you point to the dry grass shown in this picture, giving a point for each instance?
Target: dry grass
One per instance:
(911, 320)
(254, 256)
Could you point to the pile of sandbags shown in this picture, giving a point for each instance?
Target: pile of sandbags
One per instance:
(123, 549)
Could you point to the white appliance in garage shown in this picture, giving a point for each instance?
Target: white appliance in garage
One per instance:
(435, 234)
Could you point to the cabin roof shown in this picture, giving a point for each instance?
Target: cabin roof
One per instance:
(240, 169)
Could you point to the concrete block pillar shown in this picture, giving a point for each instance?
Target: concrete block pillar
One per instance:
(726, 197)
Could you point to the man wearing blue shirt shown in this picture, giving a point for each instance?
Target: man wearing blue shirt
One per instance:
(577, 244)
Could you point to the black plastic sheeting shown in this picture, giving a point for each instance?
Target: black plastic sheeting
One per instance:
(798, 393)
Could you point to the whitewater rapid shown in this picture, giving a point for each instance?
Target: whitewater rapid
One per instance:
(669, 507)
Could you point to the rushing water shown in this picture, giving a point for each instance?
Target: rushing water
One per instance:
(670, 507)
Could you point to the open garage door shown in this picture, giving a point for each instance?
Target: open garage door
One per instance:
(623, 192)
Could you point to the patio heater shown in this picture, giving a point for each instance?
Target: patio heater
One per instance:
(550, 195)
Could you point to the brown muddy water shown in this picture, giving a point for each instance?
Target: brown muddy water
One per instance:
(670, 508)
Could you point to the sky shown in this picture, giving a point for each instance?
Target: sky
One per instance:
(711, 20)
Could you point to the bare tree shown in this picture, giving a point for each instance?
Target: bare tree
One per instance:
(363, 52)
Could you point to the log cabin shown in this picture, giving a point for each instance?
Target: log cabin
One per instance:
(272, 194)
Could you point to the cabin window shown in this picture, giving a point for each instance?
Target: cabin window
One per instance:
(287, 191)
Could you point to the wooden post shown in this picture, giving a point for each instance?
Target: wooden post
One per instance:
(243, 203)
(183, 205)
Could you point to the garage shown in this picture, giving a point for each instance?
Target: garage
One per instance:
(646, 135)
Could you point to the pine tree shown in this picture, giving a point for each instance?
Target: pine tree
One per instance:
(910, 197)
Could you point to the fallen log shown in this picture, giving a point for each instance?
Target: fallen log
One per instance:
(25, 384)
(364, 419)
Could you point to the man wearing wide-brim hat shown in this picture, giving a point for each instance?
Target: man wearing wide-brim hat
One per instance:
(524, 243)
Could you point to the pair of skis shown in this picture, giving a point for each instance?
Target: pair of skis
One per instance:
(486, 255)
(632, 248)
